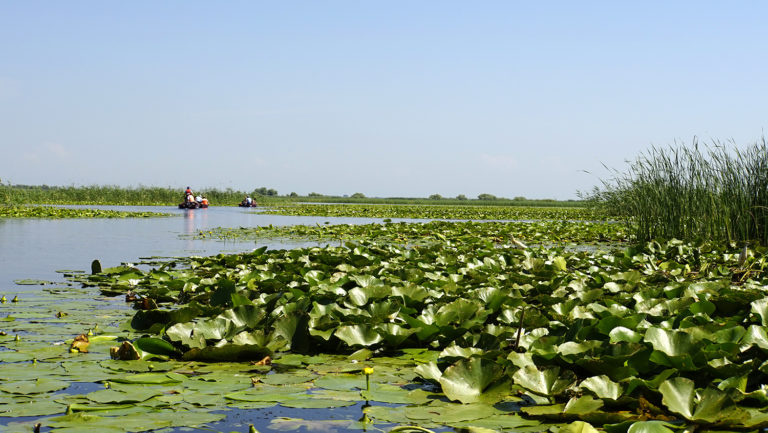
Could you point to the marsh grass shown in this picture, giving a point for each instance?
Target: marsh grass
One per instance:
(114, 195)
(716, 192)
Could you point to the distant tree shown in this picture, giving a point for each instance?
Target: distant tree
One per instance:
(485, 196)
(519, 198)
(293, 194)
(314, 194)
(435, 197)
(461, 197)
(358, 195)
(272, 192)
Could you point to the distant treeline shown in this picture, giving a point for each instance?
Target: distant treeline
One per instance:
(167, 196)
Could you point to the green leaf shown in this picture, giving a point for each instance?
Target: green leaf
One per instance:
(228, 352)
(760, 307)
(155, 346)
(603, 387)
(37, 386)
(467, 379)
(651, 427)
(578, 427)
(357, 335)
(583, 405)
(548, 382)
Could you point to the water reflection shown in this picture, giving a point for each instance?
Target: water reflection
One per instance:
(35, 248)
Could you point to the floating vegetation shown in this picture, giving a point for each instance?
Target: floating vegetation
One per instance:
(455, 212)
(52, 212)
(539, 232)
(659, 332)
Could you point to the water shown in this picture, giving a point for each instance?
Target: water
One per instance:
(36, 248)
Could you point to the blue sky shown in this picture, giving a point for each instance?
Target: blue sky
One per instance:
(395, 98)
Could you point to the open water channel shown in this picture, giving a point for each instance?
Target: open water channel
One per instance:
(35, 249)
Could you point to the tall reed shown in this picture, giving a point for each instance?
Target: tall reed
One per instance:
(114, 195)
(715, 192)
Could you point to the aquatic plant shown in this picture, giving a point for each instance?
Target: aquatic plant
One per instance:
(446, 212)
(715, 192)
(668, 331)
(50, 212)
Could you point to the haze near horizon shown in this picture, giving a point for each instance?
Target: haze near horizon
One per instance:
(388, 99)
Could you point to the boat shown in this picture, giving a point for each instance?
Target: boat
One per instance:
(192, 205)
(243, 204)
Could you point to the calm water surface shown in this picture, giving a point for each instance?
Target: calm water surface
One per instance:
(36, 248)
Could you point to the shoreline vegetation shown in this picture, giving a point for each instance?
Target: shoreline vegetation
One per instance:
(560, 322)
(714, 192)
(11, 194)
(53, 212)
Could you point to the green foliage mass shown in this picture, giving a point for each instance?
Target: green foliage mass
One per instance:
(463, 212)
(115, 195)
(716, 193)
(540, 232)
(51, 212)
(670, 331)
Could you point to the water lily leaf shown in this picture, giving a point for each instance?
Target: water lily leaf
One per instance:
(395, 395)
(155, 346)
(582, 405)
(756, 335)
(37, 386)
(267, 393)
(357, 335)
(578, 427)
(84, 420)
(652, 427)
(447, 413)
(316, 403)
(150, 378)
(288, 378)
(228, 352)
(429, 371)
(603, 387)
(467, 379)
(77, 407)
(36, 407)
(244, 316)
(760, 307)
(457, 312)
(314, 425)
(341, 382)
(622, 334)
(671, 342)
(31, 282)
(548, 382)
(393, 334)
(183, 333)
(460, 352)
(132, 395)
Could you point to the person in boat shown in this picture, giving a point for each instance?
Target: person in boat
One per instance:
(199, 199)
(205, 201)
(247, 201)
(187, 192)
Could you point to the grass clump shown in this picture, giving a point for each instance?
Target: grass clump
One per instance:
(716, 192)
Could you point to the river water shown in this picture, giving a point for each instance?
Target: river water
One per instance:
(36, 248)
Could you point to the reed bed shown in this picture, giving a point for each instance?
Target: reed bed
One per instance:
(114, 195)
(714, 192)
